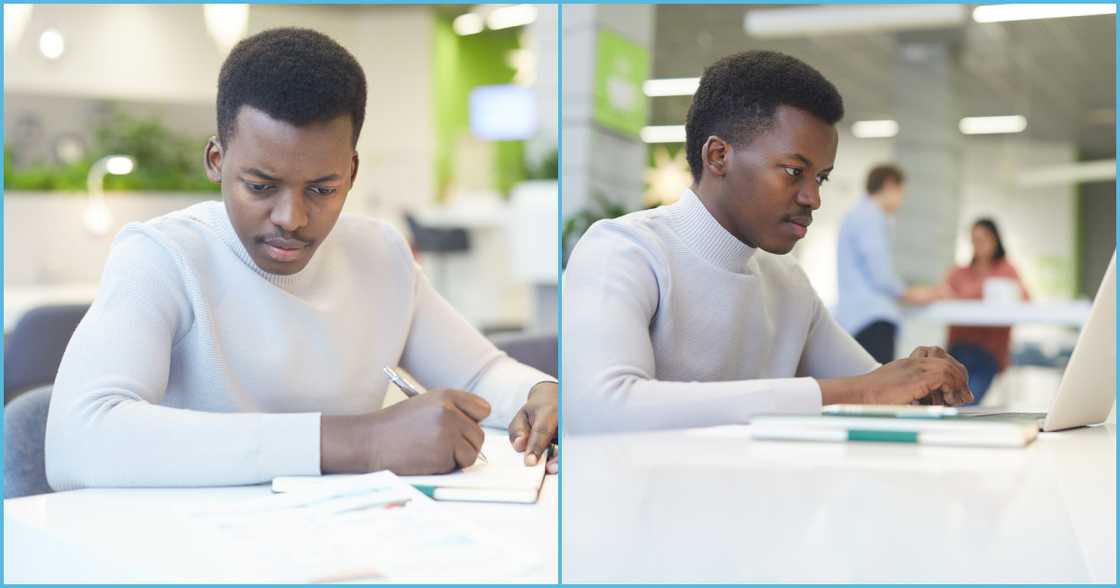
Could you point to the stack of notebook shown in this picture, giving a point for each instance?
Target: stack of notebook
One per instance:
(923, 425)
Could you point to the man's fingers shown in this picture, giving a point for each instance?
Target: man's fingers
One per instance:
(544, 430)
(465, 454)
(519, 431)
(473, 405)
(475, 436)
(553, 465)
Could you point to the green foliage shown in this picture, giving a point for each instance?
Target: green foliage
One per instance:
(578, 223)
(165, 161)
(546, 169)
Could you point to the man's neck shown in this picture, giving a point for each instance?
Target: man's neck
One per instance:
(880, 202)
(709, 196)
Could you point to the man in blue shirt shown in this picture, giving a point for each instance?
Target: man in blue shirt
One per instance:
(869, 287)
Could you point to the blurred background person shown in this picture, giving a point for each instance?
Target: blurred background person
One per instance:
(985, 351)
(870, 288)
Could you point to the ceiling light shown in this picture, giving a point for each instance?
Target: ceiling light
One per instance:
(511, 16)
(467, 24)
(822, 20)
(1012, 12)
(51, 44)
(671, 87)
(992, 125)
(663, 134)
(874, 129)
(226, 23)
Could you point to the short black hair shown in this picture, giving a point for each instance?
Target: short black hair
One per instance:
(879, 175)
(295, 75)
(738, 95)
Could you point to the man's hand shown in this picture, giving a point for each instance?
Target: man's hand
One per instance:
(929, 375)
(920, 295)
(533, 429)
(433, 433)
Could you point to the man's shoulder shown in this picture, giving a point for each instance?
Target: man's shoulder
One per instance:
(182, 230)
(645, 229)
(370, 237)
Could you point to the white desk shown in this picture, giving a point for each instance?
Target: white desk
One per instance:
(977, 313)
(714, 506)
(111, 536)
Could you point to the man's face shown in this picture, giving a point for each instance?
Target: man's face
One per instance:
(770, 187)
(283, 185)
(891, 194)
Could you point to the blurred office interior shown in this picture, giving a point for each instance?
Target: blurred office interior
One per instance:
(1001, 112)
(107, 109)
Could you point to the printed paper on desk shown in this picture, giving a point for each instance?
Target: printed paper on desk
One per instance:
(503, 478)
(419, 542)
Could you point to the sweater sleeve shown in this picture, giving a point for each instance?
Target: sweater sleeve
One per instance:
(443, 350)
(610, 296)
(106, 426)
(830, 352)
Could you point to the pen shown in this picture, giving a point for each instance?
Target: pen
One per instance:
(412, 392)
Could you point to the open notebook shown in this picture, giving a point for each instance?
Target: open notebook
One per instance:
(503, 478)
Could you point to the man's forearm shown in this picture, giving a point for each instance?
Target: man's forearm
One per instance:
(341, 445)
(840, 391)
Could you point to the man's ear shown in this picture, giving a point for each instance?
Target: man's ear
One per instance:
(714, 155)
(353, 168)
(212, 160)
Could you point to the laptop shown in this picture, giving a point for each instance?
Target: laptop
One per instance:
(1088, 388)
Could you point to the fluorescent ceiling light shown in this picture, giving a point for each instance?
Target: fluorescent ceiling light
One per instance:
(823, 20)
(467, 24)
(1082, 172)
(1012, 12)
(671, 87)
(663, 134)
(511, 16)
(874, 129)
(993, 125)
(51, 44)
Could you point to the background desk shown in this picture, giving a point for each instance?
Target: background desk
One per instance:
(711, 505)
(977, 313)
(109, 536)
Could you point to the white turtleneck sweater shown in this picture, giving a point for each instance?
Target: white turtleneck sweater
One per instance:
(670, 321)
(194, 367)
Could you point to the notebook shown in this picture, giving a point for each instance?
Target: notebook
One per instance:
(503, 478)
(939, 431)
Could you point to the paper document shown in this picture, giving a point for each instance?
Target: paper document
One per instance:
(503, 478)
(377, 527)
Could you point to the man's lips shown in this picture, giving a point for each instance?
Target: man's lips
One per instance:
(284, 250)
(799, 224)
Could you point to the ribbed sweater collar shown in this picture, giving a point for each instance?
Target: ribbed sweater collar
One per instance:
(217, 218)
(705, 237)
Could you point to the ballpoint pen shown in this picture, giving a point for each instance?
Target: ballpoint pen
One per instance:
(412, 392)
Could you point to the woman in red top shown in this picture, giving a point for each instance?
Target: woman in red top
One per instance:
(985, 351)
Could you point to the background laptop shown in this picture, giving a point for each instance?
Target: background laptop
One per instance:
(1088, 388)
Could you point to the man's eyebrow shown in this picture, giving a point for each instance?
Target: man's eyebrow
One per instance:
(328, 178)
(807, 161)
(256, 172)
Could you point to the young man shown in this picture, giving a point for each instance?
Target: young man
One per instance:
(691, 314)
(869, 287)
(230, 344)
